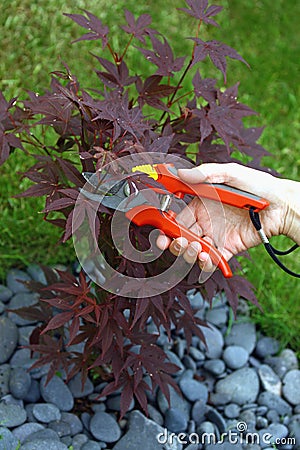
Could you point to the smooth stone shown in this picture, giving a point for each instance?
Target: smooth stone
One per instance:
(215, 417)
(215, 366)
(175, 420)
(266, 346)
(5, 293)
(146, 434)
(33, 393)
(291, 387)
(36, 273)
(277, 364)
(232, 411)
(196, 300)
(19, 382)
(57, 392)
(214, 342)
(217, 316)
(4, 379)
(46, 412)
(173, 358)
(79, 391)
(220, 398)
(74, 422)
(198, 411)
(155, 415)
(13, 283)
(114, 403)
(273, 401)
(8, 338)
(91, 445)
(294, 428)
(193, 390)
(189, 363)
(79, 440)
(276, 430)
(290, 359)
(104, 427)
(8, 440)
(46, 433)
(176, 401)
(24, 334)
(24, 431)
(242, 334)
(242, 385)
(269, 379)
(12, 415)
(235, 356)
(44, 444)
(60, 427)
(196, 354)
(18, 301)
(225, 446)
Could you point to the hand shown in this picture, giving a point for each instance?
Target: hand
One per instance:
(238, 234)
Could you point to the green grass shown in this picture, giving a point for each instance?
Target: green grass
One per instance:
(36, 37)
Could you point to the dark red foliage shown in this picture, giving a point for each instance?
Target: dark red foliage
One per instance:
(125, 115)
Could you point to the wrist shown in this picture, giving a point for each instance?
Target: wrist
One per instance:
(291, 199)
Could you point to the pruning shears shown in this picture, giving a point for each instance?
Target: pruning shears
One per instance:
(142, 211)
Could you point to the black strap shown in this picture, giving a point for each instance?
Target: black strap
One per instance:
(254, 216)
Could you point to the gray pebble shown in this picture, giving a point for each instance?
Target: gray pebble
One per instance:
(46, 412)
(44, 444)
(273, 401)
(79, 391)
(198, 411)
(8, 338)
(12, 415)
(19, 300)
(104, 427)
(175, 420)
(4, 379)
(215, 366)
(220, 398)
(8, 440)
(91, 445)
(5, 293)
(266, 346)
(242, 334)
(242, 385)
(46, 433)
(261, 422)
(114, 403)
(214, 341)
(196, 354)
(235, 356)
(24, 334)
(232, 411)
(36, 273)
(291, 387)
(189, 363)
(155, 415)
(74, 422)
(269, 379)
(175, 360)
(57, 392)
(146, 434)
(176, 401)
(79, 440)
(273, 416)
(193, 390)
(33, 393)
(276, 430)
(294, 428)
(13, 283)
(290, 359)
(19, 382)
(60, 427)
(217, 316)
(24, 431)
(2, 307)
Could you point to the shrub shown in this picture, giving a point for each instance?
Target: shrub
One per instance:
(70, 130)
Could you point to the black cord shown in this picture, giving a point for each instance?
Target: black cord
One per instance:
(254, 216)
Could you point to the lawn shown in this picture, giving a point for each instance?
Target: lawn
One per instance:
(36, 39)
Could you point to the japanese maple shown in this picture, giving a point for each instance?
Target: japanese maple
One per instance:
(125, 114)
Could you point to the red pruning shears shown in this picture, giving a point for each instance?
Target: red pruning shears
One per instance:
(140, 211)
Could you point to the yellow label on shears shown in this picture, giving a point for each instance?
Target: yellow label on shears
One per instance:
(148, 169)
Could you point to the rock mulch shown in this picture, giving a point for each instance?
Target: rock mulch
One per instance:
(242, 386)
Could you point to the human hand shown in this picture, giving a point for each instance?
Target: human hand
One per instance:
(238, 234)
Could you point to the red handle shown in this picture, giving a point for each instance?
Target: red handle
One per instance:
(164, 221)
(167, 175)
